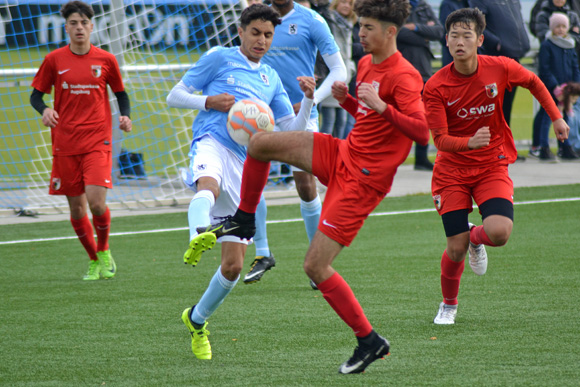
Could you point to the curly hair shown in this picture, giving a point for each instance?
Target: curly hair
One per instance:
(77, 7)
(465, 16)
(389, 11)
(259, 12)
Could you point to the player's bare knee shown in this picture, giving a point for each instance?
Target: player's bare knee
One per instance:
(231, 270)
(457, 251)
(256, 147)
(500, 236)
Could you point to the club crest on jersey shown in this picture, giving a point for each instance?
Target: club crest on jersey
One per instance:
(96, 70)
(491, 90)
(293, 29)
(265, 79)
(56, 183)
(437, 201)
(376, 86)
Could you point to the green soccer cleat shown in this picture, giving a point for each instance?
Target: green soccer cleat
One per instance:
(108, 265)
(200, 243)
(94, 272)
(199, 342)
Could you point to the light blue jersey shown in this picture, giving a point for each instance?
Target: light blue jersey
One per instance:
(301, 35)
(226, 70)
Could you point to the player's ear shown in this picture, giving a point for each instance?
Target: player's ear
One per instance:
(240, 32)
(480, 40)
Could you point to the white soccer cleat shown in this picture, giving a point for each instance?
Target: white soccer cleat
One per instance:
(477, 256)
(446, 314)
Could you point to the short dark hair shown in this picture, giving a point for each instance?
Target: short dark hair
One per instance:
(259, 12)
(389, 11)
(77, 7)
(465, 16)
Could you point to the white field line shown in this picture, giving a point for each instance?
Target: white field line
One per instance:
(160, 230)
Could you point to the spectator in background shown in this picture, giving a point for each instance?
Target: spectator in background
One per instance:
(505, 35)
(445, 8)
(341, 18)
(571, 105)
(421, 27)
(542, 22)
(558, 64)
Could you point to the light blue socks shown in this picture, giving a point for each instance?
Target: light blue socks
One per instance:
(219, 287)
(198, 212)
(261, 237)
(311, 215)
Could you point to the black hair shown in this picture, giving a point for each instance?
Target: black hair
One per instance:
(465, 16)
(389, 11)
(77, 7)
(259, 12)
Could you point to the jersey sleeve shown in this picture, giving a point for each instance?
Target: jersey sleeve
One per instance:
(322, 36)
(114, 78)
(280, 104)
(45, 77)
(202, 73)
(518, 75)
(433, 101)
(407, 93)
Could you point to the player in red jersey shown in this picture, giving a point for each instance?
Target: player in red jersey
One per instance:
(475, 146)
(358, 171)
(81, 130)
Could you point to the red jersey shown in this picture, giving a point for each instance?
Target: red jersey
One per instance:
(80, 98)
(459, 105)
(375, 147)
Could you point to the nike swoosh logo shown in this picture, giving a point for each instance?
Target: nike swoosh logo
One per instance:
(226, 230)
(324, 222)
(249, 276)
(348, 369)
(452, 102)
(63, 71)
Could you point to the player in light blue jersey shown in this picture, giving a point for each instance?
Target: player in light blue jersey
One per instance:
(224, 76)
(298, 38)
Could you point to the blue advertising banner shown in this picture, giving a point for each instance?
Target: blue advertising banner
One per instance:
(154, 23)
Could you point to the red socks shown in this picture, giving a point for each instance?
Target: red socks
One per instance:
(84, 231)
(254, 179)
(102, 226)
(450, 278)
(478, 236)
(341, 298)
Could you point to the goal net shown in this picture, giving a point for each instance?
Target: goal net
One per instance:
(155, 42)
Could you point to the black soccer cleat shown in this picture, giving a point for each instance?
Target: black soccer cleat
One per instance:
(364, 355)
(260, 266)
(230, 226)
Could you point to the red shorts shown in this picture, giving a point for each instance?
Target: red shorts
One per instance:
(348, 201)
(454, 188)
(70, 174)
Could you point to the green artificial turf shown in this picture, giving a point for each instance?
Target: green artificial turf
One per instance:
(516, 326)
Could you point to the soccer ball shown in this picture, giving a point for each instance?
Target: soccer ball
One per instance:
(247, 117)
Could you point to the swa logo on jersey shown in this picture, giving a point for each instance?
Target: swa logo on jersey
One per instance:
(476, 111)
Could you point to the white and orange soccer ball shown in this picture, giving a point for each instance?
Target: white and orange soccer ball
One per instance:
(247, 117)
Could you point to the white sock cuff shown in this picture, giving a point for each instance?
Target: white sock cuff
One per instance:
(205, 194)
(313, 204)
(224, 282)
